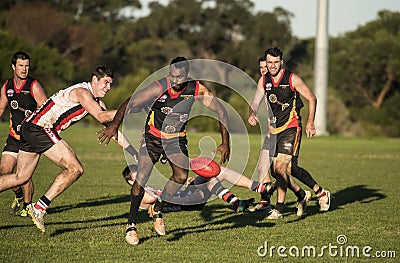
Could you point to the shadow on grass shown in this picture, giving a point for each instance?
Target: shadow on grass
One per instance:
(215, 217)
(211, 214)
(90, 203)
(357, 193)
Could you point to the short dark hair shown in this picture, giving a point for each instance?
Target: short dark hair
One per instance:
(275, 52)
(19, 55)
(180, 62)
(261, 59)
(102, 71)
(128, 171)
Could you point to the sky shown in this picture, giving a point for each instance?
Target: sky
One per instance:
(343, 15)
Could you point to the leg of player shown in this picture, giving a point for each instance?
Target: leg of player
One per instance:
(7, 165)
(64, 156)
(265, 189)
(27, 190)
(145, 166)
(179, 163)
(303, 197)
(264, 177)
(324, 196)
(236, 204)
(282, 183)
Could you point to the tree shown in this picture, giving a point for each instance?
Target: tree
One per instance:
(364, 71)
(364, 63)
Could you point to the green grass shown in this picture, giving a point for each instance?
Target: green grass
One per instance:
(87, 222)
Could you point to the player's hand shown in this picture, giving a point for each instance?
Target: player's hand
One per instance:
(225, 151)
(106, 134)
(253, 120)
(310, 129)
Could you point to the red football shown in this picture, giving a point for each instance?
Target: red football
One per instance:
(205, 167)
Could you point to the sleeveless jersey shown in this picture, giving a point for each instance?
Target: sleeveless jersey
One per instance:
(284, 100)
(59, 112)
(169, 113)
(21, 103)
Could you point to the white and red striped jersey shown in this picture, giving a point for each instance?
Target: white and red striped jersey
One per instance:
(59, 111)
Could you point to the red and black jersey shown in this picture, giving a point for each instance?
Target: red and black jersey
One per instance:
(169, 113)
(284, 100)
(21, 103)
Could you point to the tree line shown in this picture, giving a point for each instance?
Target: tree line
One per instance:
(68, 38)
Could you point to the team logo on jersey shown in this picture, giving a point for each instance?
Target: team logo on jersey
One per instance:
(272, 120)
(162, 98)
(274, 99)
(283, 86)
(18, 127)
(183, 117)
(268, 86)
(186, 97)
(170, 129)
(14, 104)
(166, 110)
(10, 92)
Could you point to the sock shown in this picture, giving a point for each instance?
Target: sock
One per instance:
(229, 197)
(43, 203)
(280, 207)
(25, 205)
(257, 187)
(18, 193)
(134, 209)
(321, 194)
(158, 205)
(302, 174)
(300, 194)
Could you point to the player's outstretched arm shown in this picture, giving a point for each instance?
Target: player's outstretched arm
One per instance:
(253, 109)
(208, 100)
(133, 104)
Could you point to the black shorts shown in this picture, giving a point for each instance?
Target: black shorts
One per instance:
(154, 147)
(12, 145)
(288, 142)
(37, 139)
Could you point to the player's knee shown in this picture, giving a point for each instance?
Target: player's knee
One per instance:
(76, 171)
(280, 168)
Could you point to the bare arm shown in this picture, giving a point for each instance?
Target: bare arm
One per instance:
(208, 100)
(3, 100)
(38, 93)
(258, 96)
(121, 139)
(307, 93)
(85, 98)
(134, 104)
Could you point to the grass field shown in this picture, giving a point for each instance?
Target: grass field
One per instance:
(87, 222)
